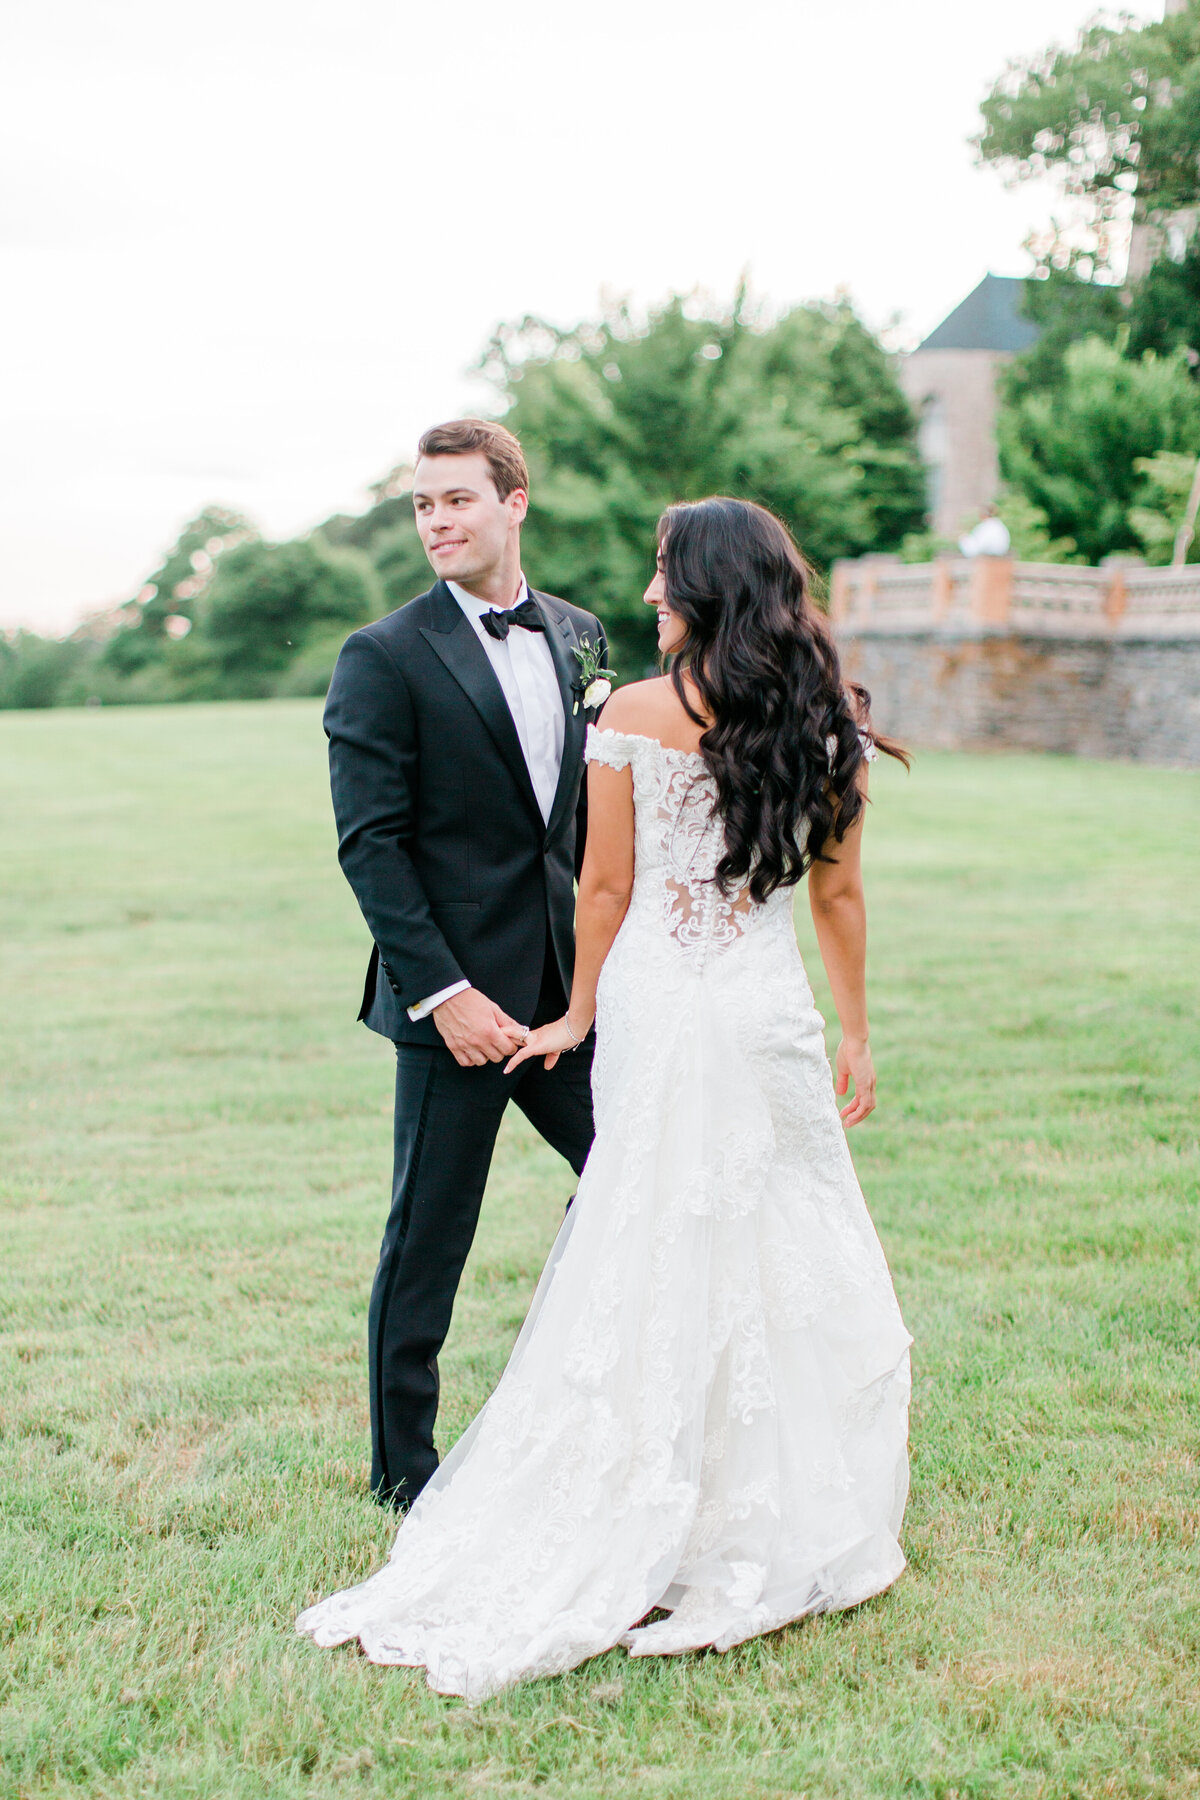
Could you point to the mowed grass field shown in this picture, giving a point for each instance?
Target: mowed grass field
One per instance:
(195, 1156)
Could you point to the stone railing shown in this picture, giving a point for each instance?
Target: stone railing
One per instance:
(991, 594)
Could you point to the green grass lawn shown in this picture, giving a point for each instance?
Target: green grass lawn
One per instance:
(194, 1152)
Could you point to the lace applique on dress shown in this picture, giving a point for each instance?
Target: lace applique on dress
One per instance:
(679, 840)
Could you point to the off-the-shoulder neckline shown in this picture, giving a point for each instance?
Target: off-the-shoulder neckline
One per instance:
(640, 737)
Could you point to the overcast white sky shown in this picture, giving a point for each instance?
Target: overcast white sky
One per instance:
(248, 249)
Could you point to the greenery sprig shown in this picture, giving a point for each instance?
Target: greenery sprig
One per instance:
(594, 684)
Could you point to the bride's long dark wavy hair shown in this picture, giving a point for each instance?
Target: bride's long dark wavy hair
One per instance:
(764, 665)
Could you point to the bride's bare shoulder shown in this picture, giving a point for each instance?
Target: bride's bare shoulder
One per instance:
(629, 707)
(650, 709)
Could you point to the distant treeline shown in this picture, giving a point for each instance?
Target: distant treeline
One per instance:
(617, 419)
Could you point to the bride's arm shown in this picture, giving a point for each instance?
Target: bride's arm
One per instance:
(835, 894)
(605, 884)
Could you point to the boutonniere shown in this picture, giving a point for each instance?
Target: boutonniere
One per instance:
(594, 684)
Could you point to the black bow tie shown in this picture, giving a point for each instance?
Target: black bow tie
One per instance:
(499, 624)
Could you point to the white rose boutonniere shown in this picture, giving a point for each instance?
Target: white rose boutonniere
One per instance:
(594, 684)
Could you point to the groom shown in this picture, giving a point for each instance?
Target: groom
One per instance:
(456, 731)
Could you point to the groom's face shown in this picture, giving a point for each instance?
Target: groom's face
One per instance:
(465, 526)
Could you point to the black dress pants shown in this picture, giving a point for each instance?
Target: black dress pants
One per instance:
(446, 1122)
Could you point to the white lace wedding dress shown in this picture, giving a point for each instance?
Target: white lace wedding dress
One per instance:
(706, 1410)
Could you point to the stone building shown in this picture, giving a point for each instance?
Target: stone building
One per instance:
(951, 381)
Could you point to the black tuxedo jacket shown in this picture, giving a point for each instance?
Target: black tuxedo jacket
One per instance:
(439, 830)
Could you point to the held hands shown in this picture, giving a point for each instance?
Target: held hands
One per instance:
(549, 1041)
(475, 1029)
(854, 1064)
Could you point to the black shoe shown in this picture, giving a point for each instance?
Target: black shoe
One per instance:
(394, 1498)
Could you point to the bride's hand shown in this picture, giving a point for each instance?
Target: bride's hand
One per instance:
(854, 1064)
(549, 1041)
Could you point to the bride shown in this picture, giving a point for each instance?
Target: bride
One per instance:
(705, 1415)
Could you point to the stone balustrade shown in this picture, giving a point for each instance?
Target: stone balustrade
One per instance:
(990, 652)
(988, 594)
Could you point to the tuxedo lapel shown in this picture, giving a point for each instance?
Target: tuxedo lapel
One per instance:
(452, 639)
(560, 635)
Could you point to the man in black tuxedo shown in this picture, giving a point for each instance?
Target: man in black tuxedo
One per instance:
(456, 731)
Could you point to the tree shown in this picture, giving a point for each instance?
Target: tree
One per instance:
(38, 671)
(1065, 309)
(270, 603)
(1163, 509)
(262, 619)
(387, 533)
(619, 418)
(148, 625)
(1116, 121)
(1074, 449)
(1164, 307)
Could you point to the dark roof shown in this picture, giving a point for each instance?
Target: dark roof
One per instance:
(988, 319)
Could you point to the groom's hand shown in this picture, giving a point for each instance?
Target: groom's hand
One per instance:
(475, 1029)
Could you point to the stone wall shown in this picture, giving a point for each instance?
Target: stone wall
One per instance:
(1136, 701)
(1087, 662)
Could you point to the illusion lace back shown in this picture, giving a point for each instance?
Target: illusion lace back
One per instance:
(706, 1410)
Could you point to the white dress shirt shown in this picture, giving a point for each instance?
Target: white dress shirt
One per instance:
(524, 667)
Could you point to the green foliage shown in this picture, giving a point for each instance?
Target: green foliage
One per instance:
(1065, 309)
(924, 546)
(267, 603)
(1164, 307)
(1073, 450)
(1115, 120)
(250, 618)
(195, 1144)
(311, 669)
(1160, 312)
(391, 510)
(1029, 530)
(1168, 481)
(37, 671)
(1106, 388)
(400, 562)
(620, 418)
(146, 650)
(169, 596)
(387, 533)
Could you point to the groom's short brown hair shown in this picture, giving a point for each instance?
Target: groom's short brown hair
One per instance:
(459, 437)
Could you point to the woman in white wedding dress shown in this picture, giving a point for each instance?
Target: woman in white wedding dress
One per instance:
(705, 1415)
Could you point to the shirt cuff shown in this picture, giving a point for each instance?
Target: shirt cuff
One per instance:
(423, 1008)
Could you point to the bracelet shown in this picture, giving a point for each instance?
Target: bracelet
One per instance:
(575, 1041)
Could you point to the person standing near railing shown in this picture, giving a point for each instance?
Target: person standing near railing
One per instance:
(988, 538)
